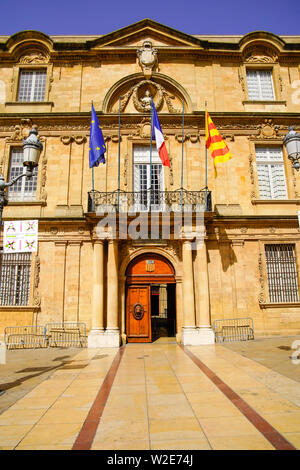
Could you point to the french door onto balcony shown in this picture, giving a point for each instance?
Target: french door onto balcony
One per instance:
(148, 181)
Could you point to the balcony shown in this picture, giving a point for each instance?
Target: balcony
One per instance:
(179, 200)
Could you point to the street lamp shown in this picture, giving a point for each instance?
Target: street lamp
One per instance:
(292, 145)
(32, 148)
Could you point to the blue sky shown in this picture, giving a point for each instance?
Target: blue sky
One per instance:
(190, 16)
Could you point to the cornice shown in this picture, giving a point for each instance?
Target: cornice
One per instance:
(230, 124)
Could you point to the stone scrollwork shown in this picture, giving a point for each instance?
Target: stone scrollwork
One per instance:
(68, 139)
(268, 130)
(33, 58)
(21, 131)
(261, 55)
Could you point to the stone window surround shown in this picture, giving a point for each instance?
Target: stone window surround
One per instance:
(129, 165)
(34, 296)
(40, 189)
(291, 190)
(13, 91)
(263, 298)
(275, 68)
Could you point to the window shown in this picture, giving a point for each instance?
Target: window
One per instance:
(14, 278)
(32, 85)
(282, 273)
(143, 182)
(260, 85)
(25, 188)
(270, 172)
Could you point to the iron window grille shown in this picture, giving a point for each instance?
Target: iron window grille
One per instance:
(282, 273)
(25, 188)
(32, 85)
(15, 278)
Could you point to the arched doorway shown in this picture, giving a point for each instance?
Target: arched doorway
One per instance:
(150, 299)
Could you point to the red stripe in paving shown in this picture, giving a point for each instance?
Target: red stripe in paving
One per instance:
(87, 433)
(270, 433)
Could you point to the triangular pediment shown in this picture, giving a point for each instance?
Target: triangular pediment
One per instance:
(135, 34)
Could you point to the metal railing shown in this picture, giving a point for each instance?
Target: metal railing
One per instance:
(20, 337)
(233, 329)
(67, 334)
(149, 200)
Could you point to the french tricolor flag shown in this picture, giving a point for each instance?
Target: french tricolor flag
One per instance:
(159, 138)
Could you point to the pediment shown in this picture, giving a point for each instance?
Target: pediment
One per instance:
(136, 34)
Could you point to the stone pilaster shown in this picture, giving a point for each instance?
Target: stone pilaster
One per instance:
(189, 331)
(205, 331)
(112, 328)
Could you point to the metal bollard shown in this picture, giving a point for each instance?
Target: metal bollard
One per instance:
(2, 352)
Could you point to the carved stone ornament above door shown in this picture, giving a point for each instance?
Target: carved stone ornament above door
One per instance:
(141, 94)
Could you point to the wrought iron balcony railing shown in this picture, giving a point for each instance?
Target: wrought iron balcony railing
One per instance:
(150, 200)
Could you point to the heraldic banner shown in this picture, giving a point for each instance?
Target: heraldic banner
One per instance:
(20, 236)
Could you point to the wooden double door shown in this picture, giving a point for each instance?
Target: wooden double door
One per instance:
(138, 314)
(143, 272)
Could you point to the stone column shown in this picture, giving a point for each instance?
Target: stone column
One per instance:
(206, 334)
(122, 309)
(112, 328)
(95, 338)
(179, 310)
(189, 332)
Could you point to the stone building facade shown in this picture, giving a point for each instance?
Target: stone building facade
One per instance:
(247, 263)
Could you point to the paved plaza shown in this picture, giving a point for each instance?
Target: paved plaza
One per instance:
(159, 396)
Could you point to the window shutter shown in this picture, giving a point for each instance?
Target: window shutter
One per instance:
(32, 85)
(264, 182)
(260, 85)
(253, 85)
(266, 85)
(270, 173)
(24, 189)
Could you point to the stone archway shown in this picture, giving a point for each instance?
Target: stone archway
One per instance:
(168, 94)
(150, 298)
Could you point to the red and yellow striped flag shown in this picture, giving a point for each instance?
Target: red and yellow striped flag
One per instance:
(215, 143)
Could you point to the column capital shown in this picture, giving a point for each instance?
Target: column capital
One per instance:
(98, 242)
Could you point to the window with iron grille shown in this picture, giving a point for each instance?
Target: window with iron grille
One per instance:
(282, 273)
(32, 85)
(260, 85)
(25, 188)
(14, 278)
(270, 173)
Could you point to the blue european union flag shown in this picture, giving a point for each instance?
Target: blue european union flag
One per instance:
(97, 145)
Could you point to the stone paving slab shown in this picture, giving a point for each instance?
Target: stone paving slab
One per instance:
(157, 396)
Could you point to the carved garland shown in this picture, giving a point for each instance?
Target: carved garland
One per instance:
(262, 293)
(252, 177)
(162, 95)
(36, 294)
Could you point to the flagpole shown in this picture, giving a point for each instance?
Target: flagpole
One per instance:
(182, 153)
(93, 186)
(119, 153)
(151, 149)
(205, 119)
